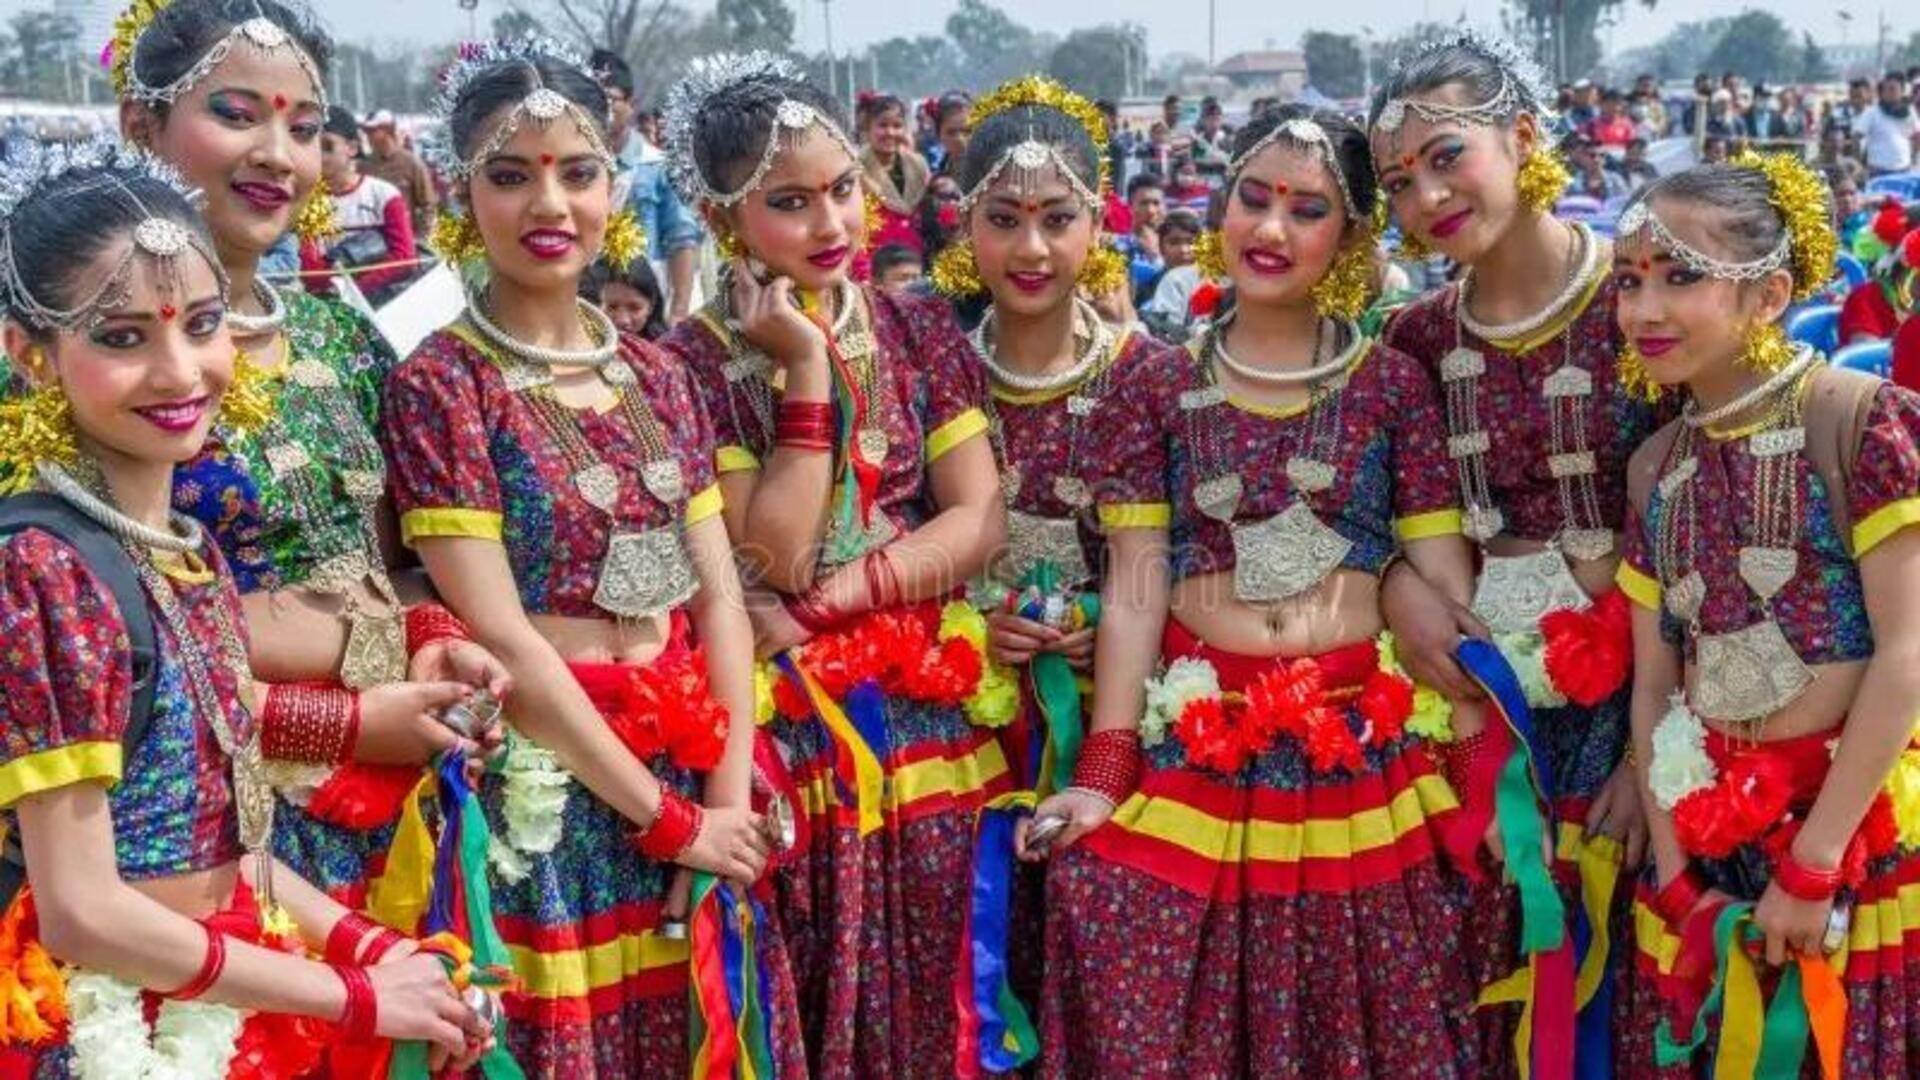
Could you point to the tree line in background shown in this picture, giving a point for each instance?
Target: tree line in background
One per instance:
(42, 56)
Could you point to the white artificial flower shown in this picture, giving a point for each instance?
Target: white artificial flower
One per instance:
(1184, 680)
(1680, 765)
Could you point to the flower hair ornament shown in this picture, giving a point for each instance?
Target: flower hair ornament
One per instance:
(543, 105)
(693, 95)
(160, 239)
(259, 33)
(1523, 87)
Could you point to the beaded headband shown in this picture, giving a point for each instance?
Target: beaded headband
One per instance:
(161, 239)
(1641, 218)
(261, 33)
(1522, 87)
(543, 104)
(1808, 247)
(1026, 166)
(690, 98)
(1033, 158)
(1307, 134)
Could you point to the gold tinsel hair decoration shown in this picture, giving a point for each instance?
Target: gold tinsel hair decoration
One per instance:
(1105, 269)
(117, 57)
(1046, 93)
(1805, 207)
(456, 238)
(35, 426)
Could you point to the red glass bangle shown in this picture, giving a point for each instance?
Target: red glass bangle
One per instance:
(883, 581)
(315, 724)
(211, 965)
(809, 414)
(1677, 900)
(672, 830)
(361, 1017)
(384, 942)
(1109, 764)
(810, 611)
(348, 934)
(790, 441)
(431, 622)
(1458, 756)
(1804, 882)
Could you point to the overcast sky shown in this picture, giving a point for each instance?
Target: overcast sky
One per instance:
(1172, 25)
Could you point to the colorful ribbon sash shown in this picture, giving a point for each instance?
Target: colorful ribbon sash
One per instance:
(1056, 687)
(855, 739)
(1759, 1039)
(995, 1034)
(728, 1014)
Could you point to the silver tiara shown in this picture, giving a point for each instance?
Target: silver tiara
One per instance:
(542, 104)
(1523, 87)
(161, 239)
(1026, 166)
(1640, 217)
(689, 99)
(259, 32)
(1307, 134)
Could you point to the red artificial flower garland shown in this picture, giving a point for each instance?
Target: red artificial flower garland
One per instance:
(1291, 699)
(898, 650)
(665, 706)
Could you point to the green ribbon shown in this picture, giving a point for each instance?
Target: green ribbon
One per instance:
(1543, 924)
(1056, 688)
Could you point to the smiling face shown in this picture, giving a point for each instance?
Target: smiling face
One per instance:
(145, 383)
(1454, 187)
(808, 216)
(541, 201)
(248, 136)
(955, 128)
(1031, 241)
(888, 131)
(1689, 327)
(1283, 226)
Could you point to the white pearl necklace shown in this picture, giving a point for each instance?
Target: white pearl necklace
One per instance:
(256, 325)
(1585, 264)
(598, 356)
(1273, 377)
(186, 534)
(1046, 382)
(1780, 380)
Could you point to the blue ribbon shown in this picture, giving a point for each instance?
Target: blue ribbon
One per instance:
(448, 889)
(867, 708)
(992, 895)
(1488, 665)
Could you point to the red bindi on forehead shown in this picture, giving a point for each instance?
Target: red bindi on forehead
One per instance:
(167, 312)
(1407, 160)
(279, 103)
(546, 159)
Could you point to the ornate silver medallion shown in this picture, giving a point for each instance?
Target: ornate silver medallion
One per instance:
(645, 573)
(1516, 590)
(1747, 675)
(1285, 555)
(1033, 539)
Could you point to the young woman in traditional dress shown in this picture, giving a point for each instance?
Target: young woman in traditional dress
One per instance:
(895, 174)
(232, 94)
(1250, 884)
(1776, 630)
(860, 493)
(1523, 348)
(1047, 364)
(556, 479)
(138, 813)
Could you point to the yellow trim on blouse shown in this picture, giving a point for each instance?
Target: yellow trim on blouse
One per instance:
(944, 438)
(1428, 525)
(1149, 515)
(1362, 348)
(705, 504)
(58, 767)
(728, 459)
(1639, 588)
(1883, 523)
(450, 521)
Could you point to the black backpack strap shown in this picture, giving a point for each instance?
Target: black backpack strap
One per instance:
(110, 563)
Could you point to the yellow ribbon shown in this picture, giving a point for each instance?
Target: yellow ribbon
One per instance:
(1743, 1018)
(869, 780)
(400, 895)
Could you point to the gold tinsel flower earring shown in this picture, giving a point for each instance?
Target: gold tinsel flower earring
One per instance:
(1210, 255)
(248, 404)
(1543, 179)
(35, 426)
(624, 241)
(1104, 271)
(316, 222)
(956, 272)
(456, 238)
(1343, 292)
(1631, 369)
(1766, 350)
